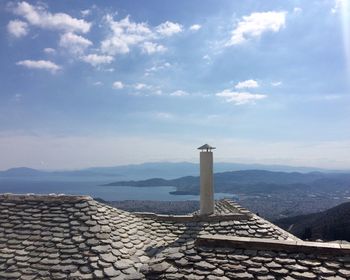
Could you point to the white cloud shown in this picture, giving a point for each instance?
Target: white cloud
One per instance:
(157, 67)
(98, 83)
(297, 10)
(17, 28)
(39, 64)
(85, 13)
(195, 27)
(118, 85)
(150, 48)
(207, 59)
(256, 24)
(168, 28)
(96, 60)
(158, 92)
(49, 50)
(276, 84)
(125, 34)
(338, 4)
(76, 44)
(240, 98)
(142, 89)
(40, 17)
(179, 93)
(141, 86)
(247, 84)
(164, 115)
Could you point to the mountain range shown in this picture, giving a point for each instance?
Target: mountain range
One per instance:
(166, 170)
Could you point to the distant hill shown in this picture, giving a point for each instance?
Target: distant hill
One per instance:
(332, 224)
(251, 181)
(166, 170)
(22, 172)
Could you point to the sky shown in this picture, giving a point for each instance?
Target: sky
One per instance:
(87, 83)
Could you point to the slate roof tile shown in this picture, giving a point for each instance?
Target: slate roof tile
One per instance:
(75, 237)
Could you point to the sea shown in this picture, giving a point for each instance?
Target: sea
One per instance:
(96, 189)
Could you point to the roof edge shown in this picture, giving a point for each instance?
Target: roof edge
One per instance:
(44, 197)
(273, 245)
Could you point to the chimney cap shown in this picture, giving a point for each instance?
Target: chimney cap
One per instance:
(206, 147)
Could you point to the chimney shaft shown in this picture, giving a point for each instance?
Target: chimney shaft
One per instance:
(206, 182)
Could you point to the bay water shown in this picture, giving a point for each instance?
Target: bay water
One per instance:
(96, 189)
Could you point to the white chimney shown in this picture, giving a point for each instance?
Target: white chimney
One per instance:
(206, 180)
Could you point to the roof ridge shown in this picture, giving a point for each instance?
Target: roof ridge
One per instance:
(44, 197)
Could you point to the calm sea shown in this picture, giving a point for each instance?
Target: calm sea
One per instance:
(94, 189)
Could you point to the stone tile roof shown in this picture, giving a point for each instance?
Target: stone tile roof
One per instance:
(213, 257)
(75, 237)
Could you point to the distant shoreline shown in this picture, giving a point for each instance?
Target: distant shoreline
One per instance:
(182, 193)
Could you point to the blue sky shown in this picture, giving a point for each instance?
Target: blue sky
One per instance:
(86, 84)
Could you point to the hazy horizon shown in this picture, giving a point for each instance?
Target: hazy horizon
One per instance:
(263, 166)
(122, 82)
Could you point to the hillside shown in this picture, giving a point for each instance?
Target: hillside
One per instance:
(251, 181)
(332, 224)
(22, 172)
